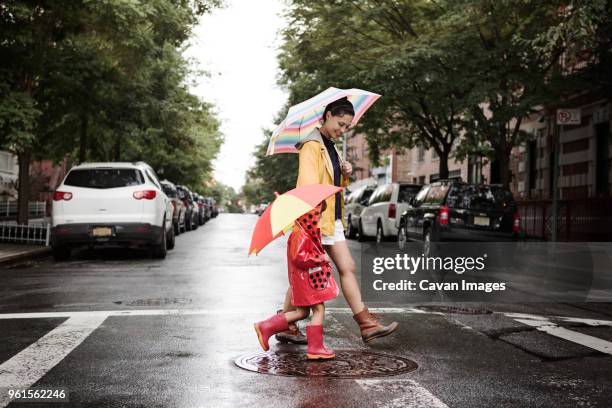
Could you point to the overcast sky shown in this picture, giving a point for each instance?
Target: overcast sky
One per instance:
(238, 46)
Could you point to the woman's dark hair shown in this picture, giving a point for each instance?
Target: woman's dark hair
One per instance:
(339, 107)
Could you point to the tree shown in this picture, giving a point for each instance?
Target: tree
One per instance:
(270, 174)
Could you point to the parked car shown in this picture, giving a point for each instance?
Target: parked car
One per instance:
(353, 206)
(192, 209)
(202, 211)
(381, 217)
(111, 203)
(215, 209)
(178, 214)
(450, 210)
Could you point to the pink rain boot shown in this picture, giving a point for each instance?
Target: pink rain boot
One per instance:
(267, 328)
(316, 349)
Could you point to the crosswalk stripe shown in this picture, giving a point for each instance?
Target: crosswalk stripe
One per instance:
(28, 366)
(411, 394)
(575, 337)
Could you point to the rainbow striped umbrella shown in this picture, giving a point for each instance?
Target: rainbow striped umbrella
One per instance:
(304, 117)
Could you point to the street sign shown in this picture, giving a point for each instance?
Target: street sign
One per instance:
(568, 116)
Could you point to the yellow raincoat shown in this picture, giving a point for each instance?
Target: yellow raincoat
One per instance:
(316, 168)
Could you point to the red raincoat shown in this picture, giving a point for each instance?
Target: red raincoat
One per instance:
(310, 274)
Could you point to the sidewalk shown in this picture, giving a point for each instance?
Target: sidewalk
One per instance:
(14, 252)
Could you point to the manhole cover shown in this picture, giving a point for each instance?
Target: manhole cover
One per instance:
(157, 302)
(454, 309)
(347, 364)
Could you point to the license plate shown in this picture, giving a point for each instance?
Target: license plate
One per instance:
(484, 221)
(102, 232)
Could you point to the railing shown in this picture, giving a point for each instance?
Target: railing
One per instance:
(577, 220)
(32, 234)
(9, 208)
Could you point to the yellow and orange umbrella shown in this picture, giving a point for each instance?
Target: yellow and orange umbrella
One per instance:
(284, 210)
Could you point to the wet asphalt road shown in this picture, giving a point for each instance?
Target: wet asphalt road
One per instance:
(201, 302)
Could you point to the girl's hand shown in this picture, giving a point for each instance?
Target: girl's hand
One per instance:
(346, 168)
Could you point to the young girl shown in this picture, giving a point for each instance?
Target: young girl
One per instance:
(311, 283)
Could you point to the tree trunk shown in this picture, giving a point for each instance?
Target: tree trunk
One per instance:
(83, 139)
(503, 160)
(443, 165)
(23, 189)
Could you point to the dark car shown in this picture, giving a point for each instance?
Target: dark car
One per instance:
(178, 216)
(451, 210)
(191, 211)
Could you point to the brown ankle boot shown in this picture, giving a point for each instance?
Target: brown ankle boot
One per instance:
(292, 334)
(371, 327)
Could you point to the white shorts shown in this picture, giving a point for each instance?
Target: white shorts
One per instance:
(338, 234)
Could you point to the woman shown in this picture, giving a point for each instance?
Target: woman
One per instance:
(320, 163)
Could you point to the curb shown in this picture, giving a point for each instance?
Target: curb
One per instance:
(23, 255)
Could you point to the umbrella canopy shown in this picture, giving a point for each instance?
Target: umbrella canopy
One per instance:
(304, 117)
(284, 210)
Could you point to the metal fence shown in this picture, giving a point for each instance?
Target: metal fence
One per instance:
(9, 208)
(32, 234)
(577, 220)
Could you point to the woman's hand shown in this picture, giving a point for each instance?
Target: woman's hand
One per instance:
(346, 168)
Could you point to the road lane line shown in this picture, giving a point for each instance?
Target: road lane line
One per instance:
(28, 366)
(410, 394)
(158, 312)
(594, 343)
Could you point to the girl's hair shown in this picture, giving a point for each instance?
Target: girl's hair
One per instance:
(339, 107)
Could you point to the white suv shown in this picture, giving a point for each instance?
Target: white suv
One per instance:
(381, 217)
(111, 203)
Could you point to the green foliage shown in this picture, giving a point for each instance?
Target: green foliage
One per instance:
(105, 80)
(270, 174)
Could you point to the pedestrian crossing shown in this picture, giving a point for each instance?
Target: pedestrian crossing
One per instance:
(25, 368)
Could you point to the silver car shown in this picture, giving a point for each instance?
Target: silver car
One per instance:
(381, 218)
(354, 205)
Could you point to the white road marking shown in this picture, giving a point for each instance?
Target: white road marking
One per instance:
(158, 312)
(551, 328)
(28, 366)
(409, 394)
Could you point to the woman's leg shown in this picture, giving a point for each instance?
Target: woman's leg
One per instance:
(369, 325)
(340, 254)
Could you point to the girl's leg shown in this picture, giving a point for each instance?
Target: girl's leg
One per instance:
(316, 349)
(298, 314)
(318, 314)
(369, 325)
(293, 333)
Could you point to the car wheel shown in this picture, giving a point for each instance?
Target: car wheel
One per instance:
(402, 238)
(171, 239)
(351, 230)
(380, 235)
(160, 250)
(362, 236)
(188, 224)
(60, 253)
(194, 224)
(177, 229)
(429, 245)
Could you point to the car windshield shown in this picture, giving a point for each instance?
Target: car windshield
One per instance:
(480, 197)
(104, 178)
(407, 192)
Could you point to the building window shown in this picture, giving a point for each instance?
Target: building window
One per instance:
(422, 180)
(421, 154)
(576, 146)
(454, 174)
(433, 177)
(6, 162)
(434, 154)
(574, 169)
